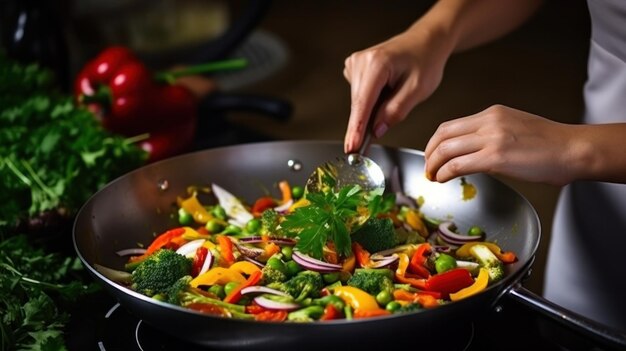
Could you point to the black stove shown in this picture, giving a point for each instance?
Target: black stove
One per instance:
(100, 323)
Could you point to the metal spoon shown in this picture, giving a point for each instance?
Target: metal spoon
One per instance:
(350, 169)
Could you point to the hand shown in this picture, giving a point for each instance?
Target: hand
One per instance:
(409, 65)
(505, 141)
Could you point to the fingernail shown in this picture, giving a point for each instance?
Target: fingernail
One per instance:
(380, 130)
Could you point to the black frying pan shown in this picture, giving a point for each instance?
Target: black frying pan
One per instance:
(132, 208)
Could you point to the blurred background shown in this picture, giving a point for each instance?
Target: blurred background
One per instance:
(296, 51)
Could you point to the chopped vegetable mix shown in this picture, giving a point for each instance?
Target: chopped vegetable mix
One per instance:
(330, 255)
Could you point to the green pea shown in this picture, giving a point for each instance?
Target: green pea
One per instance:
(214, 226)
(475, 231)
(219, 212)
(384, 297)
(184, 217)
(287, 251)
(330, 278)
(253, 226)
(217, 290)
(229, 287)
(444, 262)
(277, 264)
(393, 306)
(297, 192)
(232, 229)
(292, 268)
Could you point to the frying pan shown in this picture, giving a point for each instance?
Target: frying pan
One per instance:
(134, 207)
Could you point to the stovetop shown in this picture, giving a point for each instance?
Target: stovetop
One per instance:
(100, 323)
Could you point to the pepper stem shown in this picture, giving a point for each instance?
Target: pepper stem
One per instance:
(170, 76)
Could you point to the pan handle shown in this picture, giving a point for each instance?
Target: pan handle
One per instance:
(600, 333)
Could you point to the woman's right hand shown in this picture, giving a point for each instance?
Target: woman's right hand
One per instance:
(409, 66)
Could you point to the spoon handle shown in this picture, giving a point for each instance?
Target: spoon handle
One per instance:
(369, 130)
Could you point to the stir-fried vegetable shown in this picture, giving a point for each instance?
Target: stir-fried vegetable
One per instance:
(343, 255)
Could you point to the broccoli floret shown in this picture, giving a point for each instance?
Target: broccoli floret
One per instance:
(269, 221)
(158, 272)
(488, 260)
(173, 293)
(376, 234)
(372, 281)
(274, 271)
(307, 314)
(302, 285)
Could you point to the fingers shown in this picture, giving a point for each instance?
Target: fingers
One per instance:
(366, 86)
(452, 147)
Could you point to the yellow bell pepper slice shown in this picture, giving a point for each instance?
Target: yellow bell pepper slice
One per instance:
(217, 275)
(356, 298)
(193, 206)
(480, 283)
(504, 256)
(414, 221)
(244, 267)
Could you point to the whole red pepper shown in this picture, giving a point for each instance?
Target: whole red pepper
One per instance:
(127, 98)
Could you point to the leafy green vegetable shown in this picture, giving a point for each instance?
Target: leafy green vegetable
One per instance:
(329, 217)
(53, 154)
(31, 282)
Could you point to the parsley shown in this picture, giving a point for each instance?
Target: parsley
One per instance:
(53, 154)
(329, 217)
(32, 283)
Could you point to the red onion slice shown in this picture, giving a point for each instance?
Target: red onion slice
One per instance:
(275, 240)
(275, 305)
(208, 261)
(383, 262)
(252, 260)
(284, 207)
(131, 252)
(251, 252)
(313, 264)
(189, 249)
(262, 289)
(451, 237)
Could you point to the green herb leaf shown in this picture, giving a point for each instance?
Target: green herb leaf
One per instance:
(329, 217)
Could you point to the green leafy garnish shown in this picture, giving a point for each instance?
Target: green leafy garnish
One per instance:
(53, 154)
(32, 285)
(329, 217)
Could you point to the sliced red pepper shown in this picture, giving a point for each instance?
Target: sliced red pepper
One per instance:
(198, 260)
(161, 241)
(262, 204)
(359, 313)
(426, 299)
(235, 295)
(253, 308)
(330, 313)
(362, 255)
(419, 259)
(271, 316)
(450, 281)
(226, 249)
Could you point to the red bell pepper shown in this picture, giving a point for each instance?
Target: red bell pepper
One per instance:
(450, 281)
(130, 100)
(252, 280)
(198, 260)
(416, 265)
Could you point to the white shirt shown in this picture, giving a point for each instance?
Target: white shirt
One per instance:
(586, 263)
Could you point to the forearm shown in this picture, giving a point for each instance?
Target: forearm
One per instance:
(464, 24)
(597, 152)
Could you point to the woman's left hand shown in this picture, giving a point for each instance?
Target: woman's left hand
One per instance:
(504, 141)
